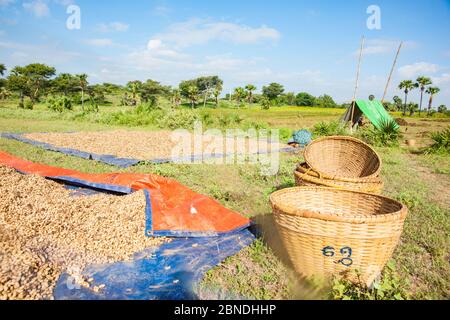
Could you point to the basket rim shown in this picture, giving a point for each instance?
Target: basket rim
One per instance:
(347, 179)
(369, 186)
(311, 173)
(381, 218)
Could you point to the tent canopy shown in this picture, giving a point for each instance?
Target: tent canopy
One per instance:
(373, 110)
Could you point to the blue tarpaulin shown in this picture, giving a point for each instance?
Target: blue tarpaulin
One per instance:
(169, 272)
(123, 162)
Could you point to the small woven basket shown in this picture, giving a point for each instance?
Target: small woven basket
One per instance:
(343, 158)
(305, 177)
(328, 231)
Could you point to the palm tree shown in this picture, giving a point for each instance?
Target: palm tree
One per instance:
(192, 93)
(432, 91)
(250, 88)
(422, 82)
(407, 86)
(2, 69)
(216, 93)
(176, 97)
(82, 78)
(239, 94)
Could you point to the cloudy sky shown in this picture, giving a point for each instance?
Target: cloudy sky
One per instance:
(305, 45)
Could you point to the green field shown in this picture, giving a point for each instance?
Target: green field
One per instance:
(419, 268)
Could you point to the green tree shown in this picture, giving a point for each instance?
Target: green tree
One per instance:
(289, 98)
(432, 91)
(304, 99)
(273, 90)
(250, 88)
(206, 85)
(82, 85)
(265, 103)
(65, 83)
(189, 90)
(133, 87)
(239, 94)
(325, 101)
(216, 93)
(422, 82)
(412, 108)
(407, 86)
(442, 108)
(30, 81)
(175, 97)
(2, 69)
(149, 91)
(18, 82)
(398, 103)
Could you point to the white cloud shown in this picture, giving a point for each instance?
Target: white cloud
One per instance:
(382, 46)
(104, 42)
(113, 26)
(442, 79)
(197, 32)
(38, 8)
(416, 69)
(20, 54)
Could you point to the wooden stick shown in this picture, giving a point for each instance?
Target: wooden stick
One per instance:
(392, 71)
(357, 83)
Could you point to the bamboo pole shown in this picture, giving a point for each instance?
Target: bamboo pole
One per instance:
(392, 71)
(357, 83)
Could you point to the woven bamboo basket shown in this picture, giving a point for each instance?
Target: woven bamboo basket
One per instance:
(328, 231)
(305, 177)
(343, 158)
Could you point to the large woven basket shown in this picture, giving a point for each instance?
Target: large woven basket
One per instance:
(343, 158)
(328, 231)
(305, 177)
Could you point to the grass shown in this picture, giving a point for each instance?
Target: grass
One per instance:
(262, 271)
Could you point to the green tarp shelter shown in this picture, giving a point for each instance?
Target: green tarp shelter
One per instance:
(372, 109)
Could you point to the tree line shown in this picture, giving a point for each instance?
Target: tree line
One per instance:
(424, 84)
(33, 82)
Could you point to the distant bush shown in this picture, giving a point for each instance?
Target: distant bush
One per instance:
(441, 142)
(181, 118)
(59, 104)
(333, 128)
(325, 101)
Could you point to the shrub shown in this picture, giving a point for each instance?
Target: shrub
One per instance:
(175, 119)
(390, 287)
(387, 135)
(265, 103)
(333, 128)
(59, 104)
(28, 105)
(441, 142)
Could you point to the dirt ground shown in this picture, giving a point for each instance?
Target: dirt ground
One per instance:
(150, 145)
(420, 130)
(45, 231)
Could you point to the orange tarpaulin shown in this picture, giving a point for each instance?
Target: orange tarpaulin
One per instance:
(175, 209)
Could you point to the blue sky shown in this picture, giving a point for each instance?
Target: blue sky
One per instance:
(305, 45)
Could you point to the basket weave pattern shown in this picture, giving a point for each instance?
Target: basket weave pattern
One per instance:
(343, 158)
(329, 231)
(305, 177)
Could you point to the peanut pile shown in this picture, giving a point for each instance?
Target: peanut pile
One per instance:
(45, 231)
